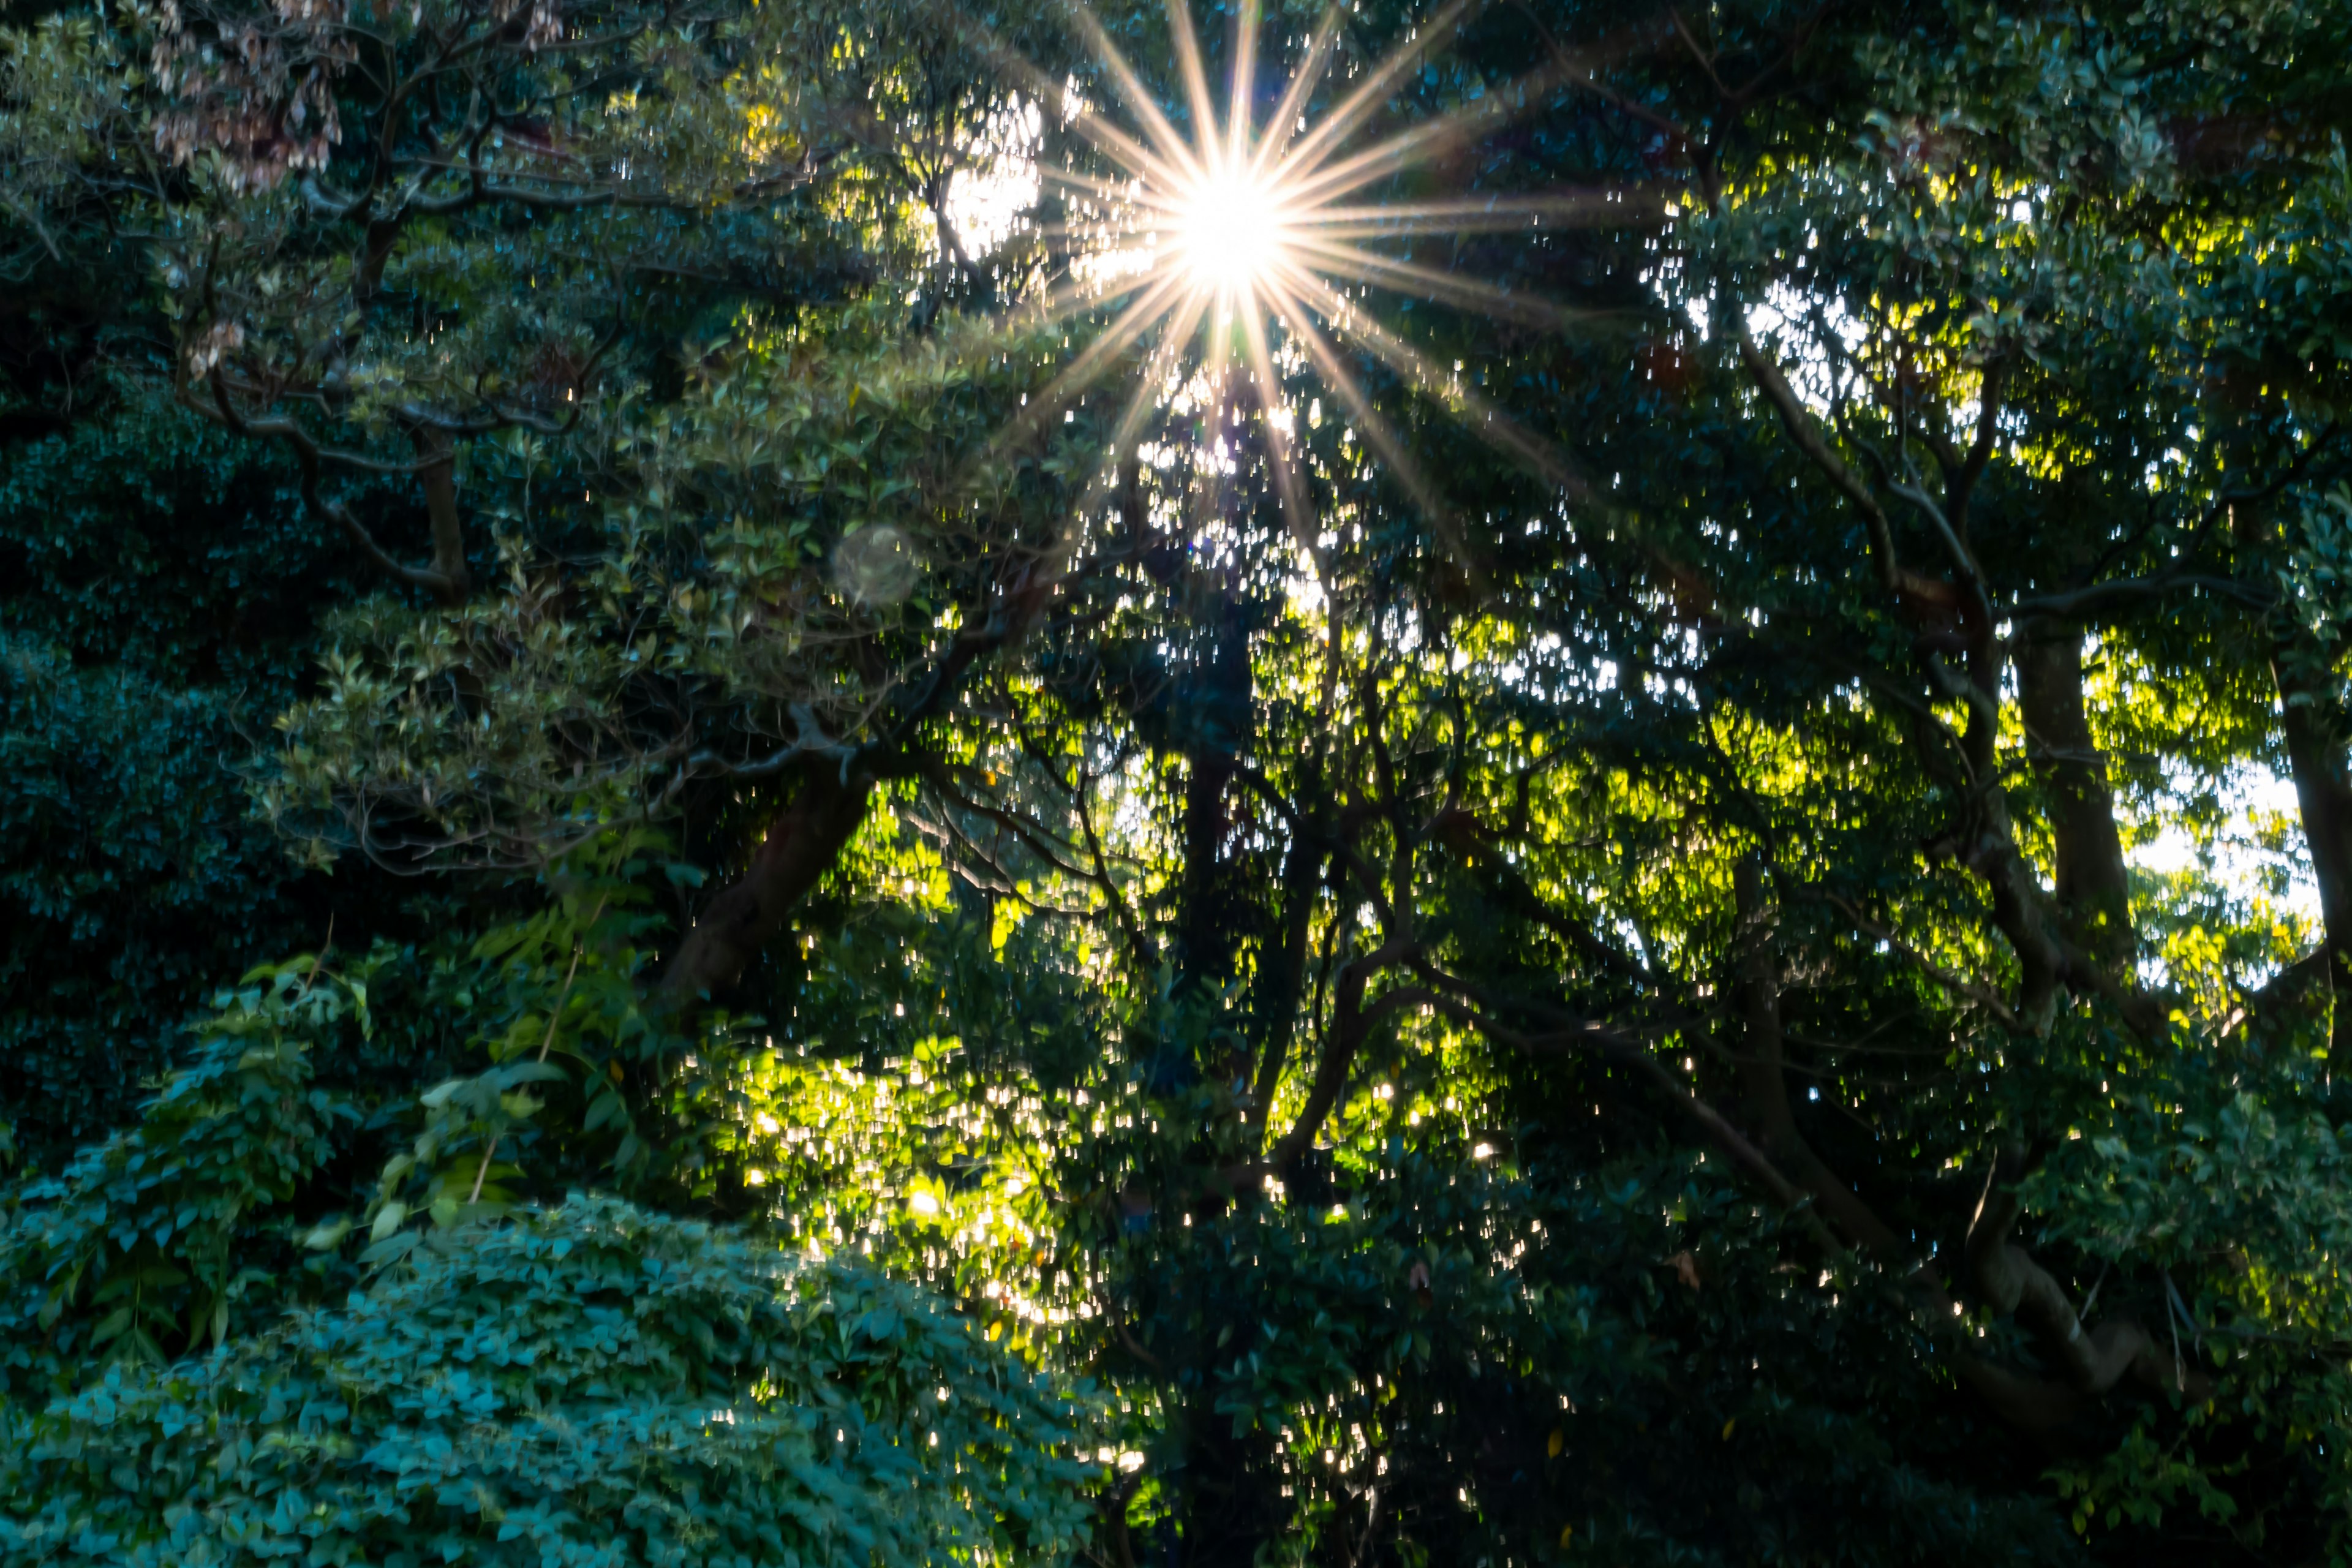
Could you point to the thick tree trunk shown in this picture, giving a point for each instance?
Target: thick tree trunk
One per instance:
(1763, 1082)
(1991, 847)
(801, 846)
(438, 454)
(2313, 729)
(1211, 910)
(2094, 1358)
(2094, 892)
(1282, 980)
(2017, 915)
(1203, 932)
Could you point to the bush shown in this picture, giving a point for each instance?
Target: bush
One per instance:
(588, 1385)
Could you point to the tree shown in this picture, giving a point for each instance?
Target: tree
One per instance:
(1596, 1001)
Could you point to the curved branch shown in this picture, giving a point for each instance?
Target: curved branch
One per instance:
(308, 457)
(2096, 1359)
(1764, 1083)
(436, 456)
(2126, 593)
(799, 847)
(830, 805)
(1626, 1050)
(1798, 422)
(2007, 1275)
(1960, 984)
(1351, 1023)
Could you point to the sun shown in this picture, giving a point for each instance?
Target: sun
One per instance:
(1243, 241)
(1230, 230)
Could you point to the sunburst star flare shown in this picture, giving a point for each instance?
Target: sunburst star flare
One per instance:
(1256, 236)
(1243, 248)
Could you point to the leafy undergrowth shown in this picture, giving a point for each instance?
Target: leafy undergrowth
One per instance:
(588, 1385)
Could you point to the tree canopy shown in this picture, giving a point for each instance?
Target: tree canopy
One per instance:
(1533, 782)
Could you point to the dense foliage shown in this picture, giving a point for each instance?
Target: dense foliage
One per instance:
(160, 611)
(711, 856)
(594, 1384)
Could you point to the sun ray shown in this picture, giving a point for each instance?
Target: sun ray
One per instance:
(1139, 160)
(1374, 92)
(1085, 234)
(1481, 215)
(1240, 101)
(1383, 438)
(1120, 191)
(1171, 147)
(1157, 371)
(1130, 328)
(1489, 423)
(1287, 484)
(1076, 296)
(1140, 402)
(1196, 79)
(1469, 292)
(1281, 125)
(1307, 170)
(1410, 148)
(1219, 237)
(1374, 427)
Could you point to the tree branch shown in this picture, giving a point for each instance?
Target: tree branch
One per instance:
(307, 456)
(1798, 421)
(1351, 1023)
(2096, 1359)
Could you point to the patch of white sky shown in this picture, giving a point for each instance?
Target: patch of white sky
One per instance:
(994, 194)
(996, 190)
(2242, 856)
(1819, 340)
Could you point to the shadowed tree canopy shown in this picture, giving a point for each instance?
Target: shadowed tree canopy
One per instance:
(1589, 801)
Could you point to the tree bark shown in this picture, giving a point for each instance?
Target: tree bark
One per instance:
(2313, 730)
(1210, 910)
(2095, 1358)
(800, 846)
(1764, 1084)
(1353, 1021)
(2093, 890)
(1990, 848)
(438, 454)
(1283, 979)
